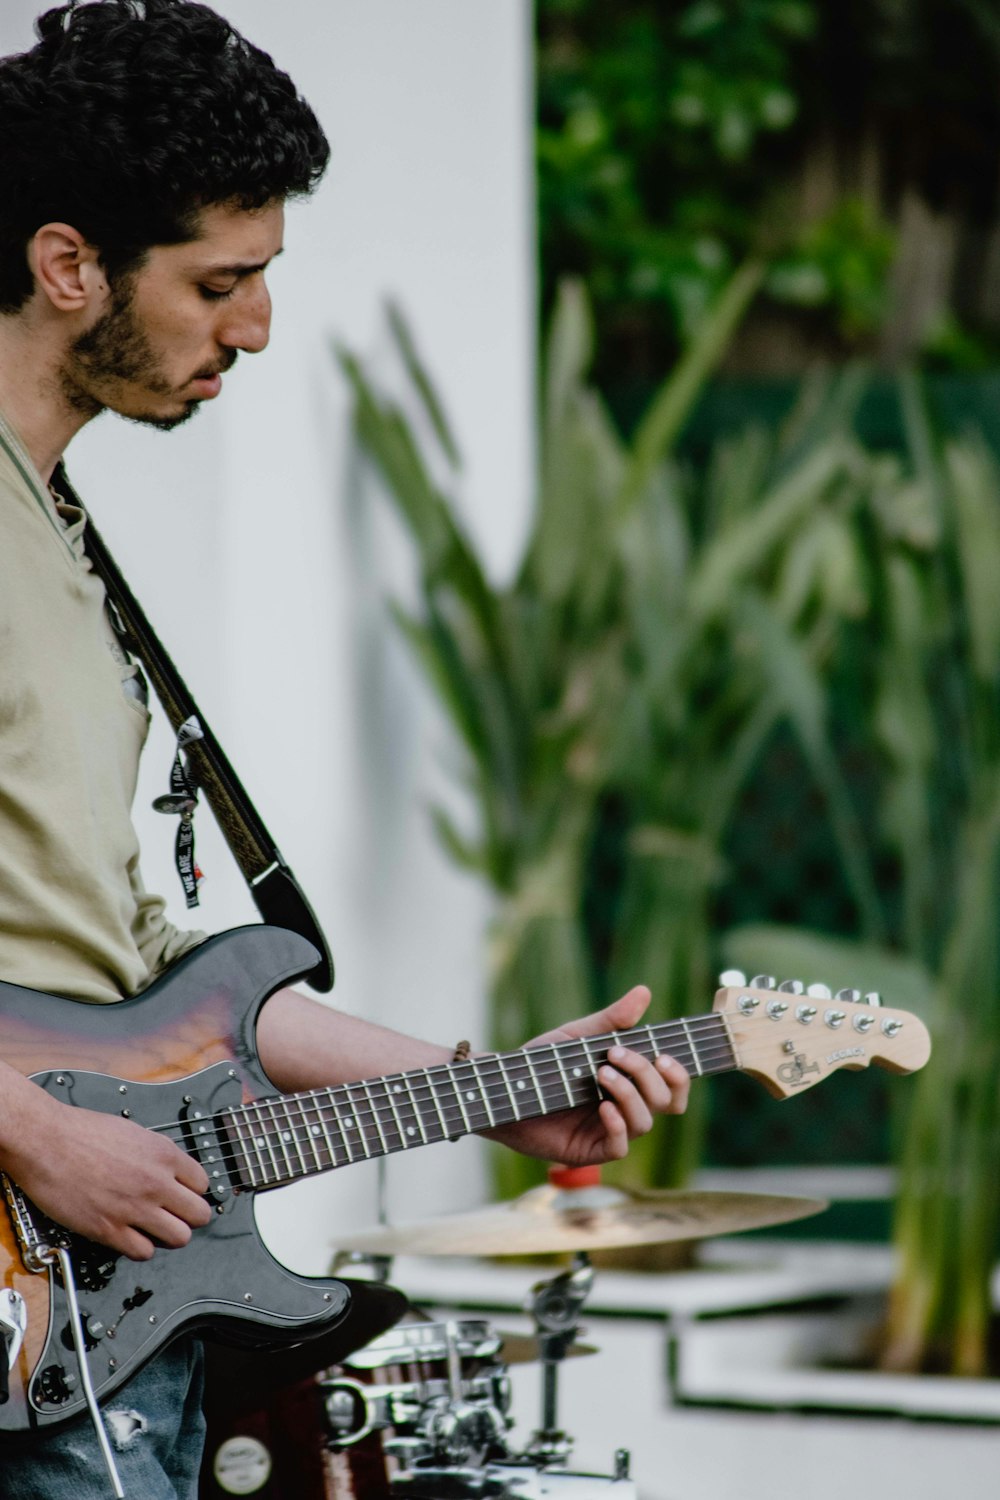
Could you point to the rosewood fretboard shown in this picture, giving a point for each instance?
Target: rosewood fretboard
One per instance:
(275, 1141)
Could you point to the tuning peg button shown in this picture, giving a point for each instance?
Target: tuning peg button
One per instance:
(873, 998)
(763, 982)
(792, 987)
(853, 996)
(732, 978)
(819, 992)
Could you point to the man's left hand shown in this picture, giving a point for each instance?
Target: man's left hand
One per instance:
(636, 1091)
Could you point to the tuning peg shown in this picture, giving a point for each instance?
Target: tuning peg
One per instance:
(819, 992)
(873, 998)
(732, 978)
(792, 987)
(763, 982)
(854, 996)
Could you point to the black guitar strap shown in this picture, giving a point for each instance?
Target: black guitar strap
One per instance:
(202, 763)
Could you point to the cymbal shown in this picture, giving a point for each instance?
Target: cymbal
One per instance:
(550, 1220)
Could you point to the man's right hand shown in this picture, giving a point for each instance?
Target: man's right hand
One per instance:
(99, 1175)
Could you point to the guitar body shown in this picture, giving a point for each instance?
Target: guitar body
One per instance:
(181, 1051)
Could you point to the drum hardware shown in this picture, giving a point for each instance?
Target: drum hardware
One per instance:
(436, 1390)
(554, 1306)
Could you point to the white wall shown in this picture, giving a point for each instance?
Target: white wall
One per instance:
(265, 562)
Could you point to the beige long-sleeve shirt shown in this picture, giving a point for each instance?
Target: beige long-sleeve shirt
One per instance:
(74, 917)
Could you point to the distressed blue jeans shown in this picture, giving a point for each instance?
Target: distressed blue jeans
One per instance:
(157, 1433)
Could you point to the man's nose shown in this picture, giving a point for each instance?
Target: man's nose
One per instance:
(248, 322)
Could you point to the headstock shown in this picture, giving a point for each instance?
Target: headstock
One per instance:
(792, 1035)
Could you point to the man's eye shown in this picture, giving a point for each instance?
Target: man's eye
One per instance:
(211, 295)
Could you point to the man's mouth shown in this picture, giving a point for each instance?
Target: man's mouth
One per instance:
(212, 376)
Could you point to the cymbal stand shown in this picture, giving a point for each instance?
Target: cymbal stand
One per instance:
(554, 1306)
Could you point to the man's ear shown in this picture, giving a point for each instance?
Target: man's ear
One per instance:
(66, 268)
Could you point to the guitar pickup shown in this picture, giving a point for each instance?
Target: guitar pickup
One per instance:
(208, 1143)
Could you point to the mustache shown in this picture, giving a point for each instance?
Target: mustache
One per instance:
(229, 359)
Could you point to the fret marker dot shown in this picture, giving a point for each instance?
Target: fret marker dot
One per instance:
(286, 1135)
(316, 1130)
(577, 1072)
(351, 1122)
(471, 1094)
(520, 1083)
(396, 1088)
(410, 1130)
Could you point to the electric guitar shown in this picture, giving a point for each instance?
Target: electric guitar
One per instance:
(180, 1058)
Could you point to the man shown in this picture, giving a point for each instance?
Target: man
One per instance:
(146, 152)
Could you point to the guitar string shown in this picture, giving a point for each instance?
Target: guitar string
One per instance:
(334, 1099)
(490, 1069)
(277, 1135)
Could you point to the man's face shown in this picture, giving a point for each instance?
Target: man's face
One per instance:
(168, 331)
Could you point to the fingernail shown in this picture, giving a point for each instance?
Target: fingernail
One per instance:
(616, 1054)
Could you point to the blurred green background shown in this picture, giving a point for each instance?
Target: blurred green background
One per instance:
(739, 704)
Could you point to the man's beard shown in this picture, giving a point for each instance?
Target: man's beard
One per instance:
(114, 357)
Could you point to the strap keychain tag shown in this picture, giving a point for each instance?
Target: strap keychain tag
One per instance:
(182, 799)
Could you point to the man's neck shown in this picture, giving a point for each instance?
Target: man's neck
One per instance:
(31, 394)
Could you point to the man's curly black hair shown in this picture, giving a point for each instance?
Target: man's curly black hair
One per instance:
(129, 116)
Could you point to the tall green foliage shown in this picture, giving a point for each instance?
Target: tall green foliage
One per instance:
(660, 627)
(926, 559)
(648, 645)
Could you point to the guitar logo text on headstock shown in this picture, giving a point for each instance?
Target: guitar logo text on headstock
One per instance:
(794, 1072)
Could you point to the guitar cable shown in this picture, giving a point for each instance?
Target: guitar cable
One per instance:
(79, 1344)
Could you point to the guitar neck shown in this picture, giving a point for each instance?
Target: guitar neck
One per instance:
(277, 1141)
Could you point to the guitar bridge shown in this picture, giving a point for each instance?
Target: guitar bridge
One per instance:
(39, 1237)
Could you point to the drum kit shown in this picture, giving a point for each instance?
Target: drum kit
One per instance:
(422, 1411)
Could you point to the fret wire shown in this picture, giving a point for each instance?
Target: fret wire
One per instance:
(394, 1111)
(458, 1096)
(345, 1134)
(510, 1091)
(534, 1079)
(411, 1100)
(562, 1073)
(353, 1119)
(321, 1125)
(253, 1143)
(267, 1142)
(312, 1131)
(377, 1117)
(280, 1138)
(237, 1125)
(303, 1169)
(590, 1060)
(521, 1064)
(437, 1105)
(483, 1094)
(694, 1050)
